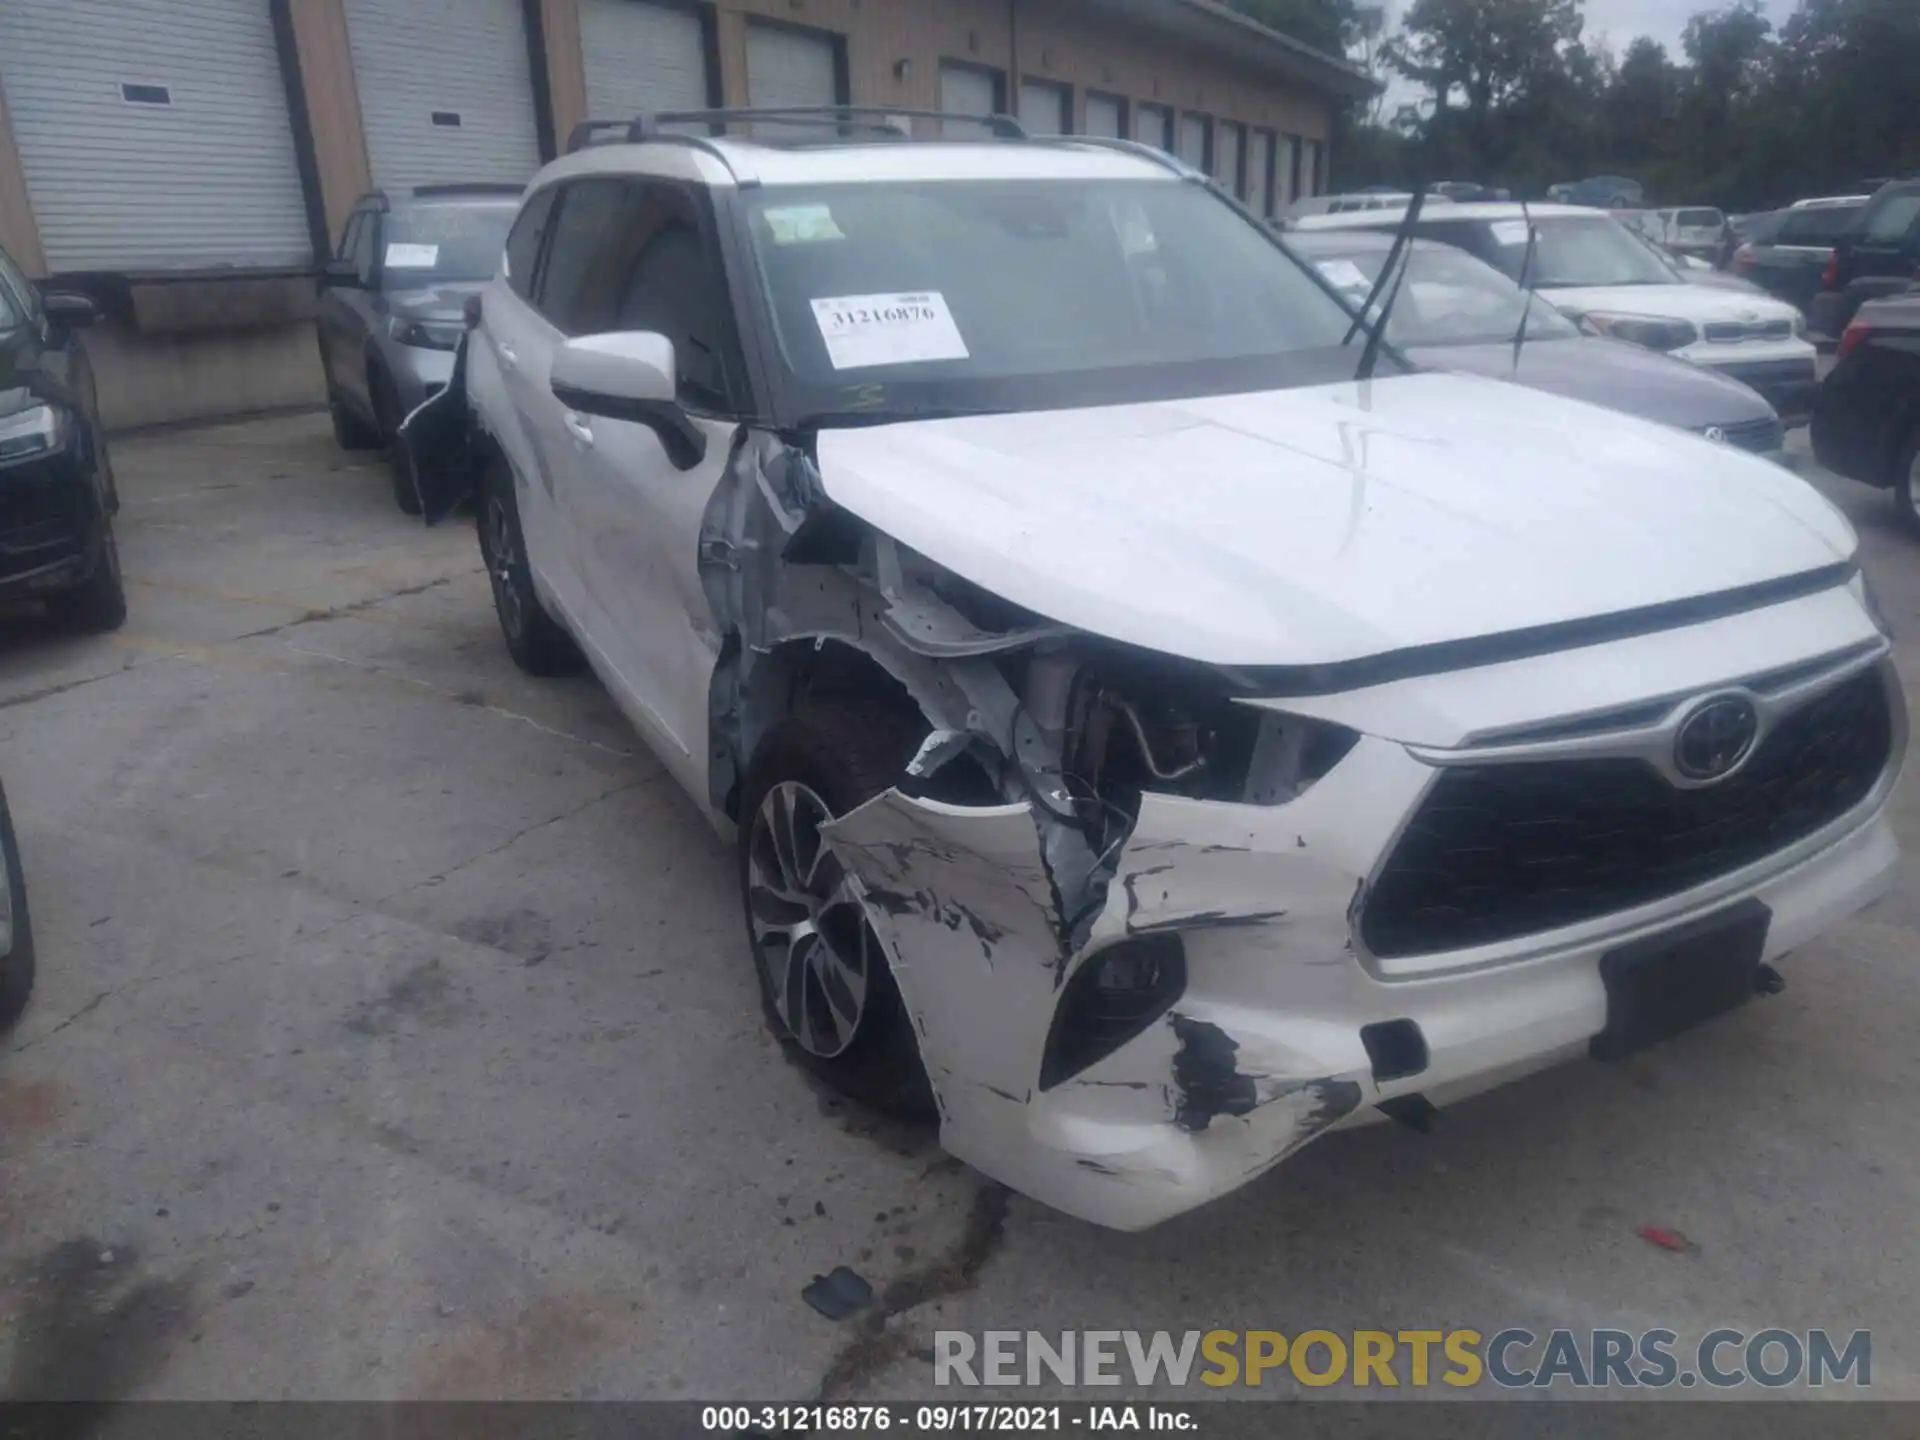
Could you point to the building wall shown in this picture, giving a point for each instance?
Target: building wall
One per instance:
(218, 352)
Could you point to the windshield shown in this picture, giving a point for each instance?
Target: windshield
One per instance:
(1447, 298)
(446, 242)
(1012, 294)
(1817, 224)
(1699, 219)
(1577, 251)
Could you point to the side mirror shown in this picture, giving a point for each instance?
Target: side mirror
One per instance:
(340, 275)
(67, 311)
(629, 375)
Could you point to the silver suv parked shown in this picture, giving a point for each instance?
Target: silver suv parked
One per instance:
(391, 305)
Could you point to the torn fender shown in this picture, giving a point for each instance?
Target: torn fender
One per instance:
(964, 904)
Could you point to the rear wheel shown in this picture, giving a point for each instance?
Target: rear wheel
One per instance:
(537, 643)
(350, 432)
(100, 602)
(827, 989)
(16, 963)
(1906, 484)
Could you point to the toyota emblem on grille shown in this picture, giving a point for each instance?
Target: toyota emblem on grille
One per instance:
(1715, 740)
(1715, 434)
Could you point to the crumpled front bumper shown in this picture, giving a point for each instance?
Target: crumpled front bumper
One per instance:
(1264, 1049)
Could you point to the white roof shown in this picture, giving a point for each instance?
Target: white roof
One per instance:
(1825, 202)
(1471, 210)
(733, 160)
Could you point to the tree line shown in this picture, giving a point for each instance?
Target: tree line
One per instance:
(1518, 93)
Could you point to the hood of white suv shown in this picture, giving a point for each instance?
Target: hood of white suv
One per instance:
(1679, 301)
(1311, 526)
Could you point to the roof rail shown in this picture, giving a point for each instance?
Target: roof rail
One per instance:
(475, 187)
(1139, 149)
(869, 119)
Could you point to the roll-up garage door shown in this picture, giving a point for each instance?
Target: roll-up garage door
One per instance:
(965, 90)
(1193, 140)
(1046, 108)
(1155, 127)
(1260, 173)
(791, 67)
(153, 137)
(1104, 116)
(642, 57)
(1227, 143)
(446, 90)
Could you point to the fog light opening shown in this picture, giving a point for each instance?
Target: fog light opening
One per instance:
(1396, 1048)
(1112, 999)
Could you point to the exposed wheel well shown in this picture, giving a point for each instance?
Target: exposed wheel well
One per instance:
(778, 682)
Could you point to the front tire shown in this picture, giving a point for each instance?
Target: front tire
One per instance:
(1906, 485)
(16, 966)
(828, 992)
(536, 641)
(99, 603)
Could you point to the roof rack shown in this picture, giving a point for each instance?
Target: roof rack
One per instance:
(869, 121)
(476, 187)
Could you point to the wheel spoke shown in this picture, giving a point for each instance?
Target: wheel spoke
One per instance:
(843, 982)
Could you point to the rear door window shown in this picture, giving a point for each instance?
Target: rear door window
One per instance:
(1817, 225)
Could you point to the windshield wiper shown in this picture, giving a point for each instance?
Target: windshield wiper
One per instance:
(1526, 290)
(1396, 271)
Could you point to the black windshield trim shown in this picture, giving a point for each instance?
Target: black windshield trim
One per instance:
(1281, 682)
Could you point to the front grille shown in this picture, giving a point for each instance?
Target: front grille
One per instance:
(1500, 851)
(1762, 437)
(39, 507)
(1732, 332)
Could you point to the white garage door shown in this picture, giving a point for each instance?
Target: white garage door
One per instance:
(642, 57)
(790, 67)
(1193, 140)
(446, 90)
(1155, 127)
(967, 91)
(1103, 116)
(1227, 140)
(153, 137)
(1046, 108)
(1260, 173)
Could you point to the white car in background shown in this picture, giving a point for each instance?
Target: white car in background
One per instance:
(1157, 725)
(1595, 271)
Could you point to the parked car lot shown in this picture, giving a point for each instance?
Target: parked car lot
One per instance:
(1617, 284)
(392, 1039)
(1789, 259)
(1866, 423)
(1458, 313)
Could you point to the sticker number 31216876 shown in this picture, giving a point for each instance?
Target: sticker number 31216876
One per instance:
(866, 330)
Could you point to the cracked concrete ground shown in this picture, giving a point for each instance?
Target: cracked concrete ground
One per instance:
(395, 1037)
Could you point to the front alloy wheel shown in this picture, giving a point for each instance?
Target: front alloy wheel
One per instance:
(810, 931)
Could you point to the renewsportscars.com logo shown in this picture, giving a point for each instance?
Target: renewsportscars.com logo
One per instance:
(1510, 1359)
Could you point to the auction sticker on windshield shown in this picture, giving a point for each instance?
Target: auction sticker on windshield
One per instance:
(1510, 232)
(403, 256)
(864, 330)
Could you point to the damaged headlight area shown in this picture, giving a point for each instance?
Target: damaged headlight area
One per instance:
(1128, 723)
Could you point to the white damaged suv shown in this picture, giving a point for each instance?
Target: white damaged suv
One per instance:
(1147, 743)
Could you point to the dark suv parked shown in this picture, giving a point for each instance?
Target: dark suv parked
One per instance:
(1879, 257)
(391, 310)
(57, 497)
